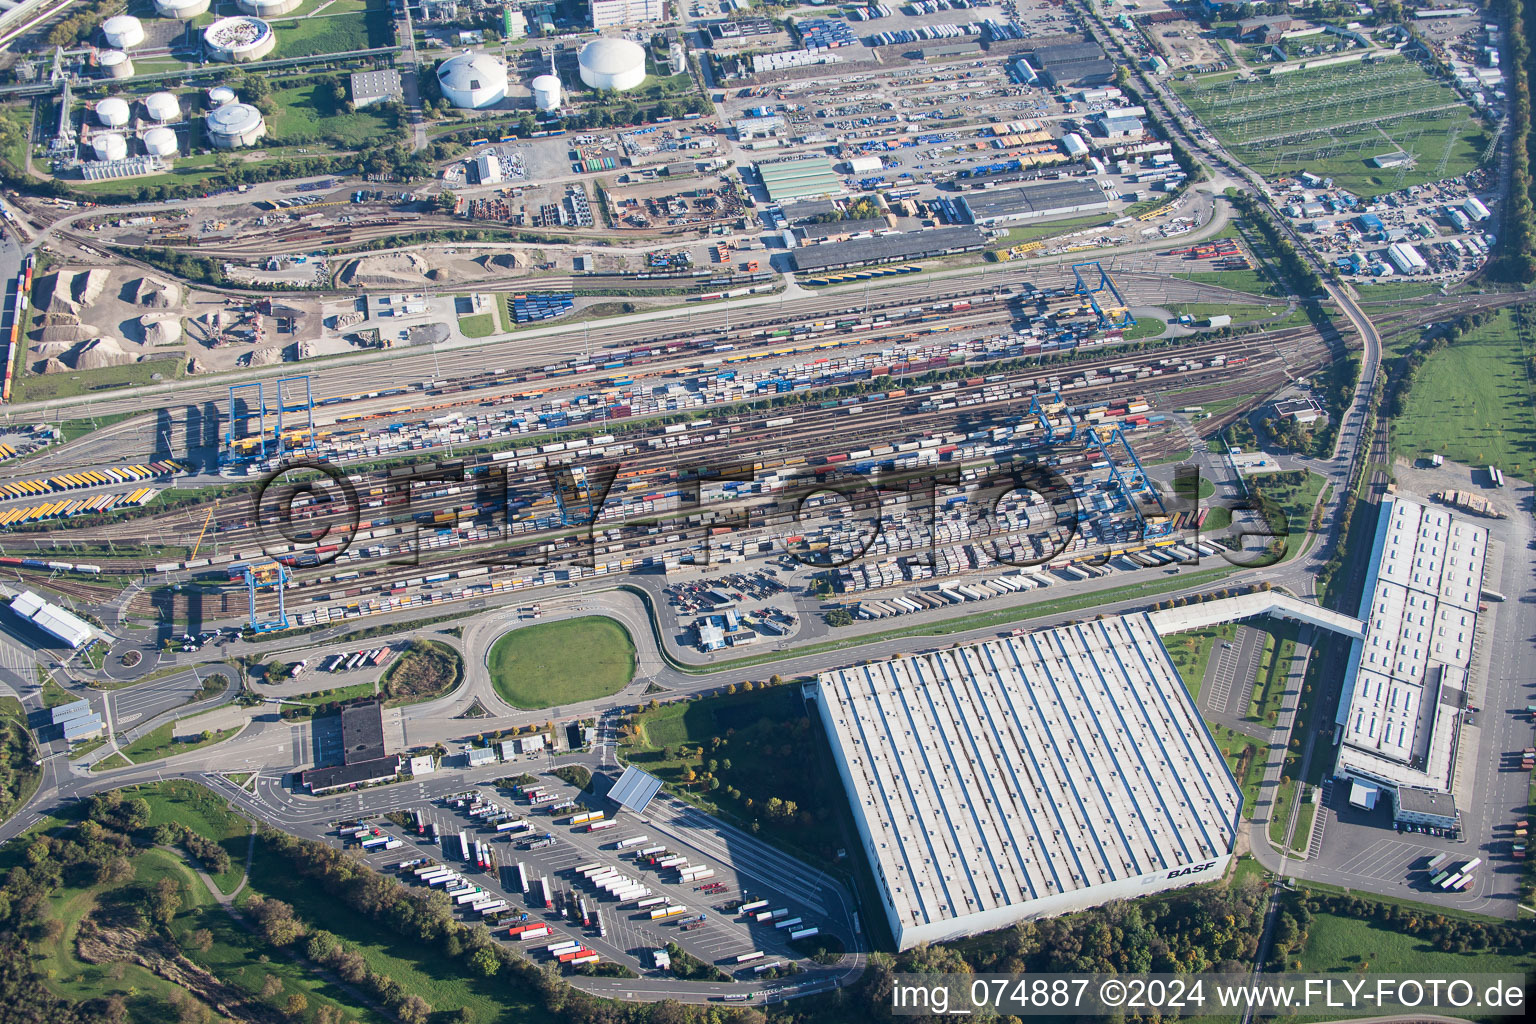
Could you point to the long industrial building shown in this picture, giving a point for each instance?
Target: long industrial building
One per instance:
(64, 626)
(893, 248)
(1033, 202)
(1028, 776)
(1405, 692)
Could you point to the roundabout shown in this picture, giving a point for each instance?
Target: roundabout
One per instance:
(562, 662)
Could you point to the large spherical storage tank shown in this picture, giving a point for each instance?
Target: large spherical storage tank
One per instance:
(546, 92)
(471, 81)
(615, 64)
(220, 95)
(115, 64)
(163, 106)
(109, 146)
(113, 112)
(235, 40)
(122, 31)
(160, 142)
(182, 10)
(234, 125)
(268, 8)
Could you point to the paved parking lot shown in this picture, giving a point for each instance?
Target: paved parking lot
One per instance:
(745, 866)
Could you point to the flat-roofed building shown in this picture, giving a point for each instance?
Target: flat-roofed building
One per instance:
(1027, 777)
(1034, 202)
(1404, 694)
(62, 713)
(363, 758)
(370, 87)
(887, 248)
(1073, 64)
(610, 13)
(1417, 807)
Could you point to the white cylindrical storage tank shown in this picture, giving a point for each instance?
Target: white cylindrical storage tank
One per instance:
(613, 64)
(239, 39)
(182, 10)
(122, 31)
(109, 146)
(268, 8)
(163, 106)
(160, 142)
(546, 92)
(113, 111)
(471, 81)
(114, 64)
(220, 95)
(234, 125)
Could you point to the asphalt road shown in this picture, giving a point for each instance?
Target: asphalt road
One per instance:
(274, 748)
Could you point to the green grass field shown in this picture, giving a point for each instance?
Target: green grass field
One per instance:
(481, 325)
(55, 695)
(1393, 291)
(1280, 817)
(149, 996)
(235, 956)
(1274, 670)
(1245, 757)
(1332, 121)
(1341, 944)
(1472, 402)
(111, 761)
(1293, 501)
(337, 693)
(1191, 652)
(562, 662)
(199, 809)
(160, 743)
(1254, 282)
(34, 387)
(1049, 229)
(1146, 327)
(19, 773)
(15, 121)
(331, 33)
(310, 112)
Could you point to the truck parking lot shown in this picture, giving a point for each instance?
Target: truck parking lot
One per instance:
(556, 877)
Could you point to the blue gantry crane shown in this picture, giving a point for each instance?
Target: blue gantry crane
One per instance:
(241, 444)
(263, 575)
(1132, 483)
(1116, 315)
(1053, 405)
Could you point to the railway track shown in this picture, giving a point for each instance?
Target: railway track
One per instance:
(992, 314)
(868, 422)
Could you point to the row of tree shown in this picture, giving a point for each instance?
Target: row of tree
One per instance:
(426, 919)
(1516, 260)
(1295, 266)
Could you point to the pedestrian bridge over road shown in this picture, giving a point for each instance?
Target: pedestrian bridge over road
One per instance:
(1270, 602)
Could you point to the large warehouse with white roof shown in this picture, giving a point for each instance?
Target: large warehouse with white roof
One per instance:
(1406, 688)
(1028, 777)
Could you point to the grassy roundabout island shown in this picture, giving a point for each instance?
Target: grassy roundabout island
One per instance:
(562, 662)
